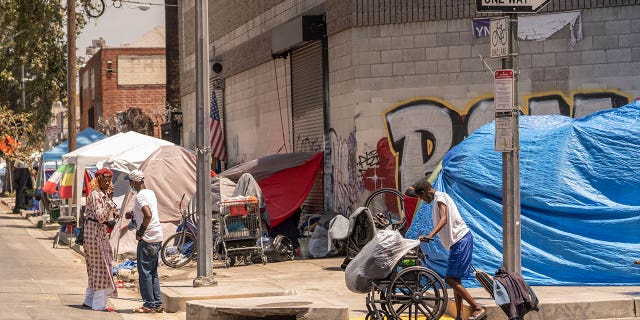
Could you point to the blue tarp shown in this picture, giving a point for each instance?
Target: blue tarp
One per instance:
(580, 198)
(87, 136)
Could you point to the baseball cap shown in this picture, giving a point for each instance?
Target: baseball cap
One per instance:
(135, 175)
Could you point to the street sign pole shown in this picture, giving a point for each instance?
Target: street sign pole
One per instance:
(511, 241)
(507, 122)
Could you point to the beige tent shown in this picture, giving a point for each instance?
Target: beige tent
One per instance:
(170, 172)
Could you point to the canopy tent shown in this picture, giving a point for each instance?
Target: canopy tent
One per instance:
(83, 138)
(580, 198)
(170, 172)
(139, 144)
(285, 179)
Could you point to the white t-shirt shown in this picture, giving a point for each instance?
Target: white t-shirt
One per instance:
(455, 228)
(147, 197)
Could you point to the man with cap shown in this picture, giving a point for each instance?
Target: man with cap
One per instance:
(149, 236)
(97, 249)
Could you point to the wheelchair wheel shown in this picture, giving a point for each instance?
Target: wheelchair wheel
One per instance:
(388, 203)
(417, 292)
(378, 315)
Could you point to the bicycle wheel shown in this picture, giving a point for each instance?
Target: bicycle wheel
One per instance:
(179, 249)
(388, 204)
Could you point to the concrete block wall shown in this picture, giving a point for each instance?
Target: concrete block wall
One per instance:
(394, 64)
(375, 68)
(240, 33)
(257, 111)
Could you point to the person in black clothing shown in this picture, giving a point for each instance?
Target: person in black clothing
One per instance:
(23, 181)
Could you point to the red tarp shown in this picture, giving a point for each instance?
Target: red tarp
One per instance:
(286, 190)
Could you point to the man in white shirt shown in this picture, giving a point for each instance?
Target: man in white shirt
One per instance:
(455, 236)
(149, 236)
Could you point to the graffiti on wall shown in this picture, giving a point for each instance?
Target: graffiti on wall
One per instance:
(308, 144)
(421, 131)
(346, 182)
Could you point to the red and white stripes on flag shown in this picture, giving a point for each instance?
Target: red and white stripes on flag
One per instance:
(215, 129)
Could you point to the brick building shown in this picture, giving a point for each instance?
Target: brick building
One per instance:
(124, 85)
(386, 88)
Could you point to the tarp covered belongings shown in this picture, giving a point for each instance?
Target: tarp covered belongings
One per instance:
(285, 180)
(377, 259)
(580, 198)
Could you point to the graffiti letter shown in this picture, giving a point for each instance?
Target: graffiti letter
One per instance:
(422, 132)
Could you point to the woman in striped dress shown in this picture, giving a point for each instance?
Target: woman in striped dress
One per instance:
(98, 252)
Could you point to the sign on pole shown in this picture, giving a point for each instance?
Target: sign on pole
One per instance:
(503, 85)
(504, 134)
(52, 132)
(511, 6)
(499, 42)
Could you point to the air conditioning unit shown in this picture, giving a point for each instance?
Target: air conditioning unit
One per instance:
(98, 43)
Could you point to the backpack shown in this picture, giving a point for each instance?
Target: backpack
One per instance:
(513, 294)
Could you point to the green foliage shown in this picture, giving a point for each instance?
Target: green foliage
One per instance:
(32, 34)
(20, 127)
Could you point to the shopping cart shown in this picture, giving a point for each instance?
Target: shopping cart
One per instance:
(241, 230)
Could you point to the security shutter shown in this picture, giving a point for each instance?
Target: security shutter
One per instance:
(307, 108)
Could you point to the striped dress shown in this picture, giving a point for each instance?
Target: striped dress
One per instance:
(98, 252)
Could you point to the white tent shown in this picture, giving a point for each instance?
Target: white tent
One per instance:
(135, 145)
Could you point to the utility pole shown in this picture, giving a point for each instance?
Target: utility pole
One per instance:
(71, 73)
(203, 151)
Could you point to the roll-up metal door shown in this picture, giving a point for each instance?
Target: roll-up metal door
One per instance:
(307, 108)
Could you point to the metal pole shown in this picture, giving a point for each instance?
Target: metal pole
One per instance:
(203, 151)
(511, 167)
(71, 73)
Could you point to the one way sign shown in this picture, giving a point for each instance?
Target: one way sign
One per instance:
(511, 6)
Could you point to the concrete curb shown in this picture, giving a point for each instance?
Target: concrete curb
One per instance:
(282, 307)
(176, 294)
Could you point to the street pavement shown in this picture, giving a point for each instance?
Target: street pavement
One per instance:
(38, 281)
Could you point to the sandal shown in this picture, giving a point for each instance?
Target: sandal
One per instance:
(144, 310)
(109, 309)
(479, 316)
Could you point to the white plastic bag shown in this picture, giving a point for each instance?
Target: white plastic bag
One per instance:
(377, 259)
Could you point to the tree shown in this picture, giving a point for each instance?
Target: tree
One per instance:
(32, 36)
(14, 130)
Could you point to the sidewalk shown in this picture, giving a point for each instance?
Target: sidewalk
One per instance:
(317, 285)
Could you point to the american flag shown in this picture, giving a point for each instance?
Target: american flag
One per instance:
(215, 129)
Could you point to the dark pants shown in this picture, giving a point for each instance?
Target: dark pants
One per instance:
(147, 255)
(22, 179)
